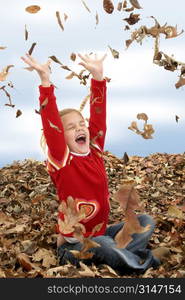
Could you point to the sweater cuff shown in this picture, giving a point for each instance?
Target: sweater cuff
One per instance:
(98, 83)
(46, 91)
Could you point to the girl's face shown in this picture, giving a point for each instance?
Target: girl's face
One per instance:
(76, 132)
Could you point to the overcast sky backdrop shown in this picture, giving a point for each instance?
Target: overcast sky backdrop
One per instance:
(137, 85)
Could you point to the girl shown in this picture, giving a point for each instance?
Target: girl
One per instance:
(75, 164)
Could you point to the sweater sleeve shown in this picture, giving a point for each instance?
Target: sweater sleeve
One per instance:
(57, 149)
(97, 122)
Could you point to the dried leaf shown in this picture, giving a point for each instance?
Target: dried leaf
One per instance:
(71, 75)
(135, 4)
(133, 19)
(26, 33)
(54, 126)
(85, 5)
(2, 48)
(25, 262)
(18, 113)
(82, 105)
(180, 82)
(30, 51)
(87, 272)
(46, 256)
(44, 103)
(5, 72)
(125, 158)
(120, 6)
(108, 6)
(176, 118)
(59, 20)
(129, 200)
(65, 17)
(97, 18)
(72, 216)
(114, 52)
(55, 59)
(142, 116)
(174, 211)
(33, 9)
(73, 56)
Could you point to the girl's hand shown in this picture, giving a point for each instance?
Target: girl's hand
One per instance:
(93, 65)
(43, 70)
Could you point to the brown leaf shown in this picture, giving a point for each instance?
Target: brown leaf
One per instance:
(30, 51)
(65, 17)
(176, 118)
(114, 52)
(25, 262)
(18, 113)
(46, 256)
(120, 6)
(129, 200)
(5, 72)
(174, 211)
(44, 103)
(135, 3)
(2, 48)
(85, 100)
(108, 6)
(59, 20)
(87, 272)
(73, 56)
(33, 9)
(180, 82)
(97, 18)
(72, 216)
(55, 59)
(133, 19)
(26, 33)
(125, 158)
(85, 5)
(142, 116)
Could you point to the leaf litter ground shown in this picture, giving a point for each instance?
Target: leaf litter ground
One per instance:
(28, 216)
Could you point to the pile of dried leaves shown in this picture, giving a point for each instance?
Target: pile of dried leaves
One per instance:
(28, 215)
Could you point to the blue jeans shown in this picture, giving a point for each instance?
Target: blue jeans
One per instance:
(134, 258)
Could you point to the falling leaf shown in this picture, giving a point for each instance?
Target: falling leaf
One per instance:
(176, 118)
(129, 201)
(133, 19)
(85, 5)
(5, 72)
(180, 82)
(135, 3)
(26, 33)
(114, 52)
(120, 5)
(18, 113)
(73, 56)
(54, 126)
(97, 18)
(55, 59)
(70, 76)
(30, 51)
(59, 20)
(72, 217)
(2, 48)
(108, 6)
(82, 105)
(142, 116)
(33, 9)
(125, 158)
(65, 17)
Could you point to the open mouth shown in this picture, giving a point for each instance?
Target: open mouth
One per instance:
(81, 139)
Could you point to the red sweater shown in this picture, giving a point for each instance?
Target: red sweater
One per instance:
(82, 177)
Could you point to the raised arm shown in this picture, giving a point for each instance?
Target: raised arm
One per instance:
(97, 122)
(52, 125)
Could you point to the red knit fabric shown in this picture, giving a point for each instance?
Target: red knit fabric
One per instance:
(82, 177)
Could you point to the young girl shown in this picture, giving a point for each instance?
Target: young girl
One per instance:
(75, 164)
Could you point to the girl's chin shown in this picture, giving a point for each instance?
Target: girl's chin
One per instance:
(81, 149)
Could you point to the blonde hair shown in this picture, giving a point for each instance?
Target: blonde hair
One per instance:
(62, 113)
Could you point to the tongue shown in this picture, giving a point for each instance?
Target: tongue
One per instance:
(81, 142)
